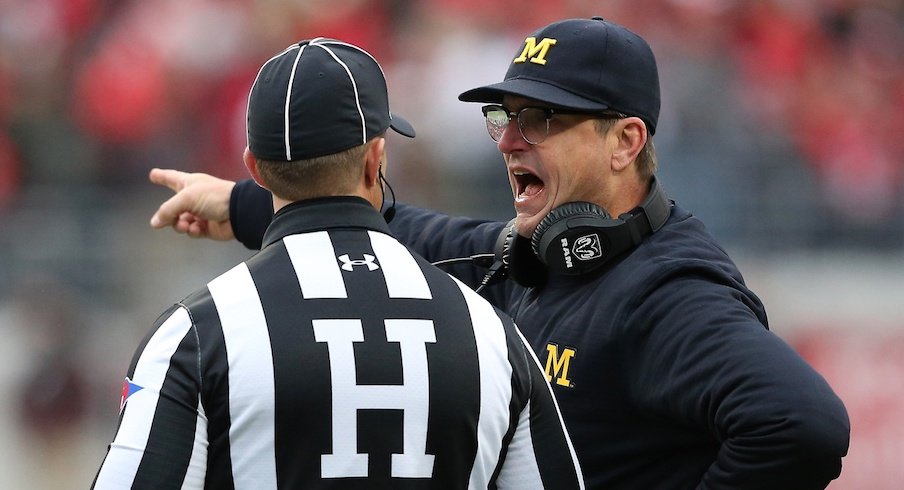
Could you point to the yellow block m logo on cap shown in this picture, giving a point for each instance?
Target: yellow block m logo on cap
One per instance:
(557, 364)
(535, 51)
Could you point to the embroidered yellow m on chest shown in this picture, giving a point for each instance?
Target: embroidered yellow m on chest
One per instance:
(557, 364)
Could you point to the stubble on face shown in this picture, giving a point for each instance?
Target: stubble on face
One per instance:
(570, 165)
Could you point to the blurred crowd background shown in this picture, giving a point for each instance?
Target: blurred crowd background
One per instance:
(782, 126)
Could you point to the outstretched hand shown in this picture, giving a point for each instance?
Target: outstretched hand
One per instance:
(200, 207)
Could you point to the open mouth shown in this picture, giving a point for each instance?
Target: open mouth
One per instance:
(526, 184)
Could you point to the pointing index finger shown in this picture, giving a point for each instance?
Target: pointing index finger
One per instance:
(173, 179)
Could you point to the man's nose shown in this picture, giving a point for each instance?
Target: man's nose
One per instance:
(511, 139)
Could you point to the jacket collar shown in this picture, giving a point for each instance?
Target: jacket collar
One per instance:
(324, 213)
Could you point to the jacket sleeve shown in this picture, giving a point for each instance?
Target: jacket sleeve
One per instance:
(155, 444)
(250, 212)
(436, 236)
(697, 353)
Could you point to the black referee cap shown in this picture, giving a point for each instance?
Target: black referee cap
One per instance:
(318, 97)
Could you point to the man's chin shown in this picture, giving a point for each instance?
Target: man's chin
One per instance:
(526, 224)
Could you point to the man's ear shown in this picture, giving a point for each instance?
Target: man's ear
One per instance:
(251, 165)
(374, 158)
(632, 136)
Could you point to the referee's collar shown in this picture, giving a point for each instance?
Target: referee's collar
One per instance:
(324, 213)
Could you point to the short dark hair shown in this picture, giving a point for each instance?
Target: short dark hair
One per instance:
(329, 175)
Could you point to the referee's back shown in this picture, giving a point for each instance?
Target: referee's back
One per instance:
(337, 359)
(334, 358)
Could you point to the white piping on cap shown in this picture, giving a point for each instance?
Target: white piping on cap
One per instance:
(256, 78)
(352, 79)
(288, 100)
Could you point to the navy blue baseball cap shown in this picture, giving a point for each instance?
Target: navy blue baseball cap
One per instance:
(318, 97)
(582, 64)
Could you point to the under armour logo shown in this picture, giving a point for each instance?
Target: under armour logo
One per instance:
(349, 264)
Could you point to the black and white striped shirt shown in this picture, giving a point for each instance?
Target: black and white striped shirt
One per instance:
(335, 358)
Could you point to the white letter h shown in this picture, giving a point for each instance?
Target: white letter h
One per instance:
(412, 397)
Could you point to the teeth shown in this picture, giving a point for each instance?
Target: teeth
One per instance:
(520, 172)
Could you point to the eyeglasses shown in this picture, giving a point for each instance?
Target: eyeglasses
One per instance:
(533, 122)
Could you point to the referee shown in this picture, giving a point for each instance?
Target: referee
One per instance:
(334, 358)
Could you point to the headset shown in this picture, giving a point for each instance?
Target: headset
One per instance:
(389, 214)
(575, 238)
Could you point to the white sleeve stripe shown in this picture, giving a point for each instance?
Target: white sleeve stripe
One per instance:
(251, 379)
(521, 469)
(495, 386)
(403, 276)
(127, 448)
(197, 465)
(574, 456)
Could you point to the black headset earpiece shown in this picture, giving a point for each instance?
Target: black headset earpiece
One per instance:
(513, 248)
(520, 261)
(579, 237)
(572, 239)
